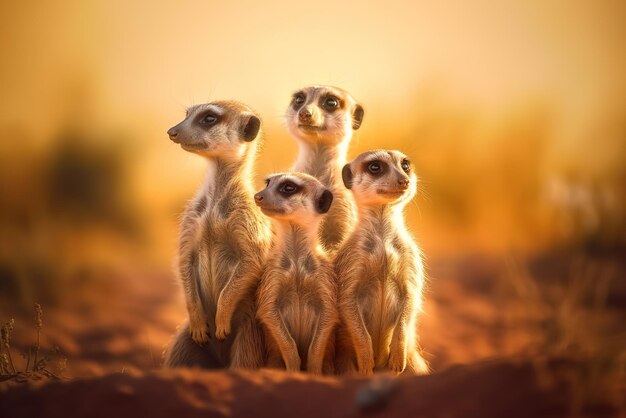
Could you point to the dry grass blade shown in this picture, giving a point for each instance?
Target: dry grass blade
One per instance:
(38, 369)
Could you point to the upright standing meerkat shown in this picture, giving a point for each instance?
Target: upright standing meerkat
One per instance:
(322, 120)
(223, 241)
(380, 270)
(297, 297)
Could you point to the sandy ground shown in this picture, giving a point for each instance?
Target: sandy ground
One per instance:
(487, 389)
(482, 330)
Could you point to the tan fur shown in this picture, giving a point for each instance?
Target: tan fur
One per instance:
(380, 272)
(223, 240)
(297, 297)
(323, 142)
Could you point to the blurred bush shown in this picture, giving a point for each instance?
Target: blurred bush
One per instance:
(64, 205)
(87, 183)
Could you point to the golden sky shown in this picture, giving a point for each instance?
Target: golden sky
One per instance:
(136, 65)
(146, 57)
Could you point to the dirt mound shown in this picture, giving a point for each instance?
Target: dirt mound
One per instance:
(488, 389)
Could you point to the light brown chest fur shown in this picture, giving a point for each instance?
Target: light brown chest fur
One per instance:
(387, 276)
(297, 305)
(221, 232)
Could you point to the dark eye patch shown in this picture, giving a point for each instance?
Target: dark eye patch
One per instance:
(330, 103)
(288, 188)
(406, 165)
(375, 168)
(298, 100)
(207, 119)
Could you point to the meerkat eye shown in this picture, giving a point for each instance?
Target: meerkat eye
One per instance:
(331, 102)
(375, 167)
(288, 188)
(267, 182)
(209, 119)
(406, 166)
(299, 99)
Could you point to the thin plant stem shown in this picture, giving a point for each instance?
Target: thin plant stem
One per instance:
(28, 359)
(39, 318)
(11, 360)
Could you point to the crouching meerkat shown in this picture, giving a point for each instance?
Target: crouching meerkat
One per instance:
(224, 238)
(380, 270)
(322, 120)
(297, 296)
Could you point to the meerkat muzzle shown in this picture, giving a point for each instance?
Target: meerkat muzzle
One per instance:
(403, 183)
(172, 133)
(305, 115)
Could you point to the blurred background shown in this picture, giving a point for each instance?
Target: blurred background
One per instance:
(514, 114)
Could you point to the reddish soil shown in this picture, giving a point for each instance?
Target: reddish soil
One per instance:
(491, 389)
(113, 336)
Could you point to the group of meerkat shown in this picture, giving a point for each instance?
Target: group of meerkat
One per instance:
(316, 272)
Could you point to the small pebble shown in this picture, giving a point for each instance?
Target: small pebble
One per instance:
(375, 393)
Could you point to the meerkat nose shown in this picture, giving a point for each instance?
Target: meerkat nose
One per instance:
(173, 133)
(404, 183)
(305, 115)
(258, 198)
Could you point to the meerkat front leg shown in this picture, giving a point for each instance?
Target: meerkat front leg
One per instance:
(352, 318)
(283, 339)
(243, 278)
(198, 319)
(400, 338)
(319, 343)
(269, 314)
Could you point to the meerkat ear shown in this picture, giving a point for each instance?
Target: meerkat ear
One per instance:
(251, 128)
(346, 175)
(357, 116)
(324, 202)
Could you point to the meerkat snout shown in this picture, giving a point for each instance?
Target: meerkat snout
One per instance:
(305, 115)
(172, 133)
(404, 182)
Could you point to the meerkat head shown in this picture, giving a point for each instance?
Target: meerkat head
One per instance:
(380, 177)
(222, 129)
(294, 197)
(323, 114)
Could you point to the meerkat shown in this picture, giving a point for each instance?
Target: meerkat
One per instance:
(380, 270)
(224, 239)
(297, 296)
(322, 120)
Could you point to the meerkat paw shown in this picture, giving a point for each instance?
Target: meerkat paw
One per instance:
(365, 363)
(315, 370)
(366, 371)
(314, 367)
(199, 331)
(397, 360)
(293, 364)
(222, 324)
(222, 330)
